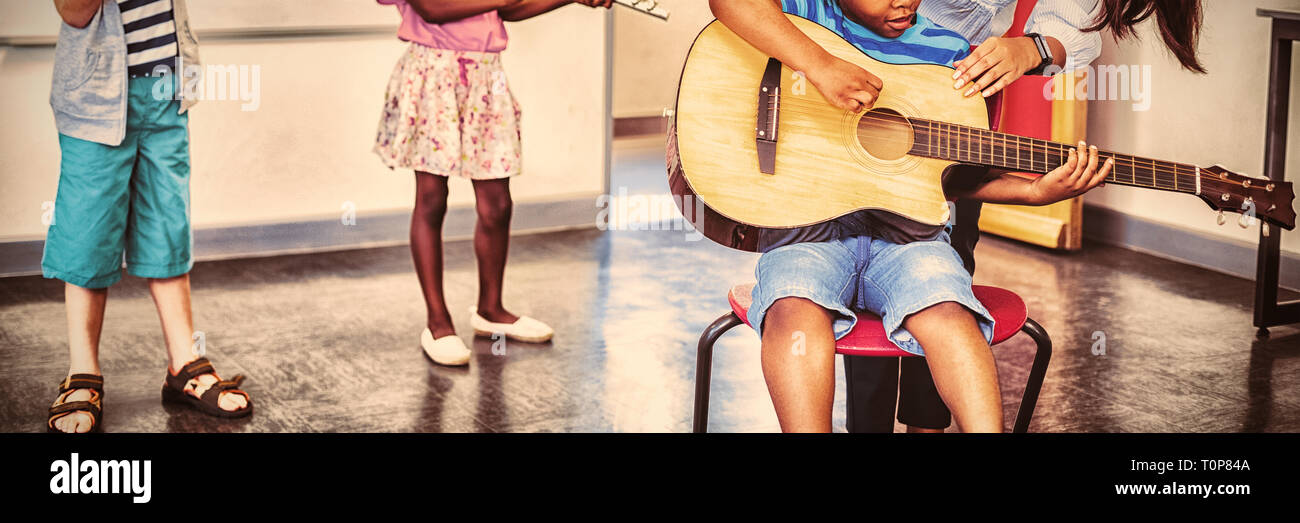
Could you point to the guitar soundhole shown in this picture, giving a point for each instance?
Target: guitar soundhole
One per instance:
(885, 134)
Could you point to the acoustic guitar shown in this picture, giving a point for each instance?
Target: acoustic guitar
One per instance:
(755, 146)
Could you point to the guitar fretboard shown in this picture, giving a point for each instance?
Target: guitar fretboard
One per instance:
(959, 143)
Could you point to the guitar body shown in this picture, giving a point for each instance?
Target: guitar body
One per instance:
(753, 146)
(822, 170)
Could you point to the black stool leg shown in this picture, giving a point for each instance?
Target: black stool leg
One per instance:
(1036, 373)
(704, 368)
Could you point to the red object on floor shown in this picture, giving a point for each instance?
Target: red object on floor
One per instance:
(868, 337)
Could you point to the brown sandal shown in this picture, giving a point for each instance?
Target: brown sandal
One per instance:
(94, 406)
(176, 389)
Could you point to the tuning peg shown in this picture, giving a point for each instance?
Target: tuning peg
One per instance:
(1245, 221)
(1220, 218)
(1263, 229)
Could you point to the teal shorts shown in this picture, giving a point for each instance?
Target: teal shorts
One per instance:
(126, 203)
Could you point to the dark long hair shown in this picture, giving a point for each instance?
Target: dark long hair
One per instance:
(1179, 22)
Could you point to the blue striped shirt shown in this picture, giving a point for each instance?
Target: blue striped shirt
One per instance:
(150, 35)
(923, 43)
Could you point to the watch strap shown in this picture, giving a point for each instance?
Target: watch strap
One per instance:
(1044, 52)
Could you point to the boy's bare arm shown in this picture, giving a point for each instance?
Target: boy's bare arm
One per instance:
(77, 13)
(443, 11)
(1067, 181)
(763, 25)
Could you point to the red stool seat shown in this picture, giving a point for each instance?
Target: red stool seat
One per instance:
(868, 337)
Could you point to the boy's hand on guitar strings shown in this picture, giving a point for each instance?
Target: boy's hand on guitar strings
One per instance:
(995, 64)
(845, 85)
(1076, 177)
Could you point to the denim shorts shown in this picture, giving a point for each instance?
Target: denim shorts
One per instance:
(862, 273)
(130, 201)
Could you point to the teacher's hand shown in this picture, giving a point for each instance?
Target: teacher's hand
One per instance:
(995, 64)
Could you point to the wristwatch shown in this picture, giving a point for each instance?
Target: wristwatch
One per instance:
(1043, 51)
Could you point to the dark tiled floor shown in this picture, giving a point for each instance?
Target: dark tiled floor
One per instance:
(330, 341)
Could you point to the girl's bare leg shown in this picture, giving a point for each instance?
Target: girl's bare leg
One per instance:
(426, 248)
(491, 245)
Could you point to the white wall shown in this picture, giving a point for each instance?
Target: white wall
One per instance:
(36, 18)
(306, 150)
(648, 55)
(1215, 118)
(1210, 119)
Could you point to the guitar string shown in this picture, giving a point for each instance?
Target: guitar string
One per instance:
(951, 136)
(983, 146)
(976, 137)
(1051, 159)
(1002, 137)
(1161, 178)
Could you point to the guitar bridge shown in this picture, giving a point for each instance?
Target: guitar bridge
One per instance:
(769, 114)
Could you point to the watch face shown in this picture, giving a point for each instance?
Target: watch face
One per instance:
(1043, 51)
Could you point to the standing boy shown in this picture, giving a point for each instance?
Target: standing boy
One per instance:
(124, 195)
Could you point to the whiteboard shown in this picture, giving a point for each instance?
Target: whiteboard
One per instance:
(37, 19)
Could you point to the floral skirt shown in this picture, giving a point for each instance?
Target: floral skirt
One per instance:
(450, 113)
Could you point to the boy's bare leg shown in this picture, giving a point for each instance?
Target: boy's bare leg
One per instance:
(923, 430)
(85, 309)
(172, 298)
(799, 364)
(962, 365)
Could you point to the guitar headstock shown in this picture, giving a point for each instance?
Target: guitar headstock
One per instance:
(1268, 200)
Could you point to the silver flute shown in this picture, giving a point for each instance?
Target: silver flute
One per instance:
(650, 7)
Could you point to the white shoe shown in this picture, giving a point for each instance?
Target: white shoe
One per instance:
(524, 329)
(447, 350)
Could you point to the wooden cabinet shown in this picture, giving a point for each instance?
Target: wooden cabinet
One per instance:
(1029, 111)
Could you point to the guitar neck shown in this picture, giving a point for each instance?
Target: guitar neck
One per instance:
(970, 145)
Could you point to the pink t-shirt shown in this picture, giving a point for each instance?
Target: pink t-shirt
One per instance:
(483, 33)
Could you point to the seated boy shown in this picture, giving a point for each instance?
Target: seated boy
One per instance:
(810, 280)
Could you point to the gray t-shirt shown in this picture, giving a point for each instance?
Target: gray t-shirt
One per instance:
(884, 225)
(877, 224)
